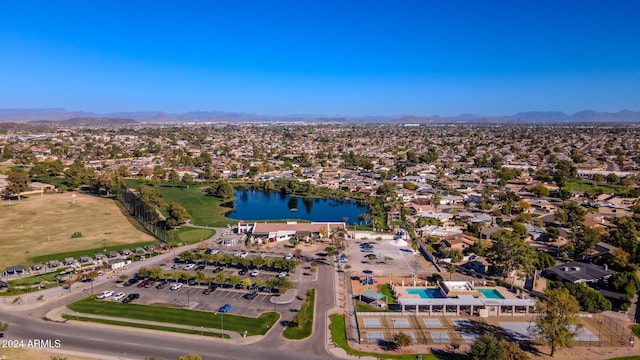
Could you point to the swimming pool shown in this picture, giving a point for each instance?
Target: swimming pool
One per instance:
(491, 293)
(426, 293)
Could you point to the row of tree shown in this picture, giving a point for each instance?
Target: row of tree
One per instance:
(255, 262)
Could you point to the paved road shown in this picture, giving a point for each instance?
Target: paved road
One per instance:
(127, 343)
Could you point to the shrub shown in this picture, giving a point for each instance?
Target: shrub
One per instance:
(76, 235)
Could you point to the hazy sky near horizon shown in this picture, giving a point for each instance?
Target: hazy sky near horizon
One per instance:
(421, 57)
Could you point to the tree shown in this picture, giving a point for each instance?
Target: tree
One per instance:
(190, 357)
(583, 239)
(18, 182)
(177, 215)
(540, 190)
(187, 178)
(451, 269)
(570, 214)
(545, 261)
(174, 177)
(330, 250)
(510, 253)
(485, 347)
(401, 340)
(558, 321)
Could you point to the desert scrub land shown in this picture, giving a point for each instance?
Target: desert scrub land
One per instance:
(41, 225)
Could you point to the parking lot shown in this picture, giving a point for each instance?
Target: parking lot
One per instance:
(389, 260)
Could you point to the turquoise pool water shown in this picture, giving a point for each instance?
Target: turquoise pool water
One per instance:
(491, 293)
(425, 293)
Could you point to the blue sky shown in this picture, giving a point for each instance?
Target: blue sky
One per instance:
(321, 57)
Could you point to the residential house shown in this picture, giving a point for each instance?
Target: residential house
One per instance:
(578, 272)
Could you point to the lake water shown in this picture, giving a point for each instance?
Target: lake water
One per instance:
(259, 205)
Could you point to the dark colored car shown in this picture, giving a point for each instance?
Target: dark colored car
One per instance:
(239, 286)
(242, 272)
(213, 286)
(252, 287)
(207, 291)
(192, 281)
(131, 297)
(162, 285)
(252, 295)
(218, 269)
(131, 281)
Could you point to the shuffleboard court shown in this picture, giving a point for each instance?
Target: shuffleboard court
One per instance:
(440, 337)
(462, 323)
(469, 337)
(371, 322)
(432, 323)
(518, 330)
(400, 323)
(374, 336)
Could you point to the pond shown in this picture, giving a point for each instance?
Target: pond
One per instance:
(259, 205)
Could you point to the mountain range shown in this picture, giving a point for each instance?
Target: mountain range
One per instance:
(51, 116)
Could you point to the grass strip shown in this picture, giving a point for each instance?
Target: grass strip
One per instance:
(195, 318)
(339, 336)
(303, 321)
(147, 326)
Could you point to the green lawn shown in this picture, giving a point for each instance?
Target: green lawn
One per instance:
(627, 358)
(636, 330)
(187, 235)
(193, 331)
(304, 328)
(205, 210)
(587, 185)
(240, 324)
(36, 279)
(386, 290)
(339, 336)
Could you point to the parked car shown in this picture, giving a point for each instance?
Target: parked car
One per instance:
(105, 294)
(117, 297)
(242, 272)
(252, 287)
(255, 273)
(282, 274)
(162, 285)
(289, 256)
(207, 291)
(251, 295)
(131, 281)
(244, 254)
(131, 297)
(176, 286)
(189, 266)
(218, 269)
(239, 286)
(213, 286)
(191, 282)
(225, 308)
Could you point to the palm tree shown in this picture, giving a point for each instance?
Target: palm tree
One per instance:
(451, 269)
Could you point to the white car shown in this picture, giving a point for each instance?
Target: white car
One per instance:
(255, 273)
(105, 294)
(282, 274)
(289, 256)
(244, 254)
(238, 253)
(176, 286)
(189, 267)
(117, 297)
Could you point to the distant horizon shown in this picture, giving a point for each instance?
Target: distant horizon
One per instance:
(414, 57)
(96, 113)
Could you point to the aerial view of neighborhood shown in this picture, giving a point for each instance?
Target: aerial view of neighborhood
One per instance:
(332, 180)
